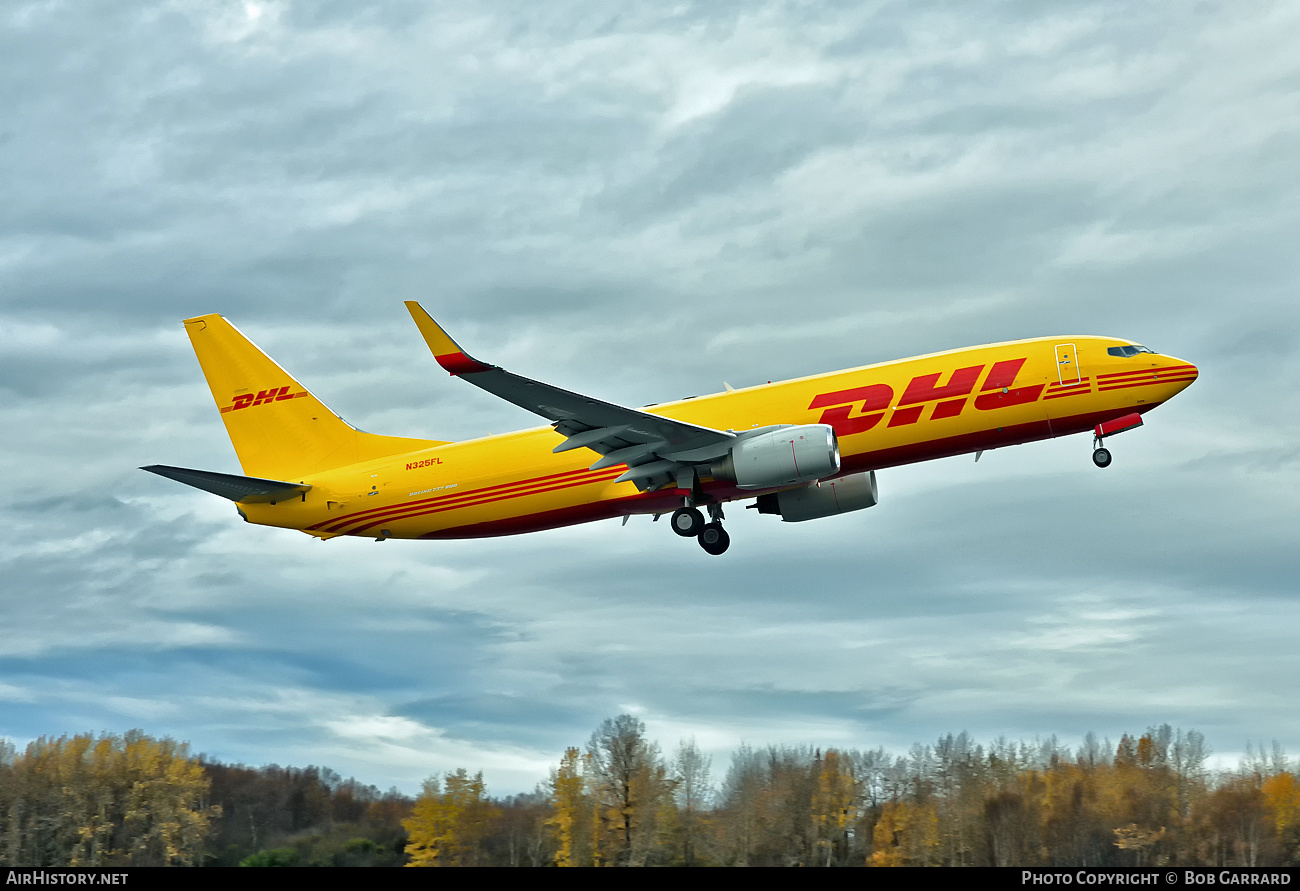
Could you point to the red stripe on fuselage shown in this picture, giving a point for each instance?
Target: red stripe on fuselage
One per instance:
(1155, 381)
(556, 518)
(469, 499)
(504, 496)
(1068, 391)
(447, 496)
(1153, 369)
(1074, 388)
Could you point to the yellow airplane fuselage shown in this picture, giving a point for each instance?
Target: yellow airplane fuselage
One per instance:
(934, 406)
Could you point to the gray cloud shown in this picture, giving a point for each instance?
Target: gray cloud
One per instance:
(641, 204)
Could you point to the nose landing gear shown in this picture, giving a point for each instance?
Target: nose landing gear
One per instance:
(1100, 455)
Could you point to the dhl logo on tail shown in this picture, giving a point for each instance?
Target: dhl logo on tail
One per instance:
(311, 471)
(248, 400)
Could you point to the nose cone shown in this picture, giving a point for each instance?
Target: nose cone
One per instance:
(1178, 371)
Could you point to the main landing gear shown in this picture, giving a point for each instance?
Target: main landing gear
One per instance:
(714, 539)
(688, 522)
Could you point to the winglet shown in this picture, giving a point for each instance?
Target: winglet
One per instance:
(444, 349)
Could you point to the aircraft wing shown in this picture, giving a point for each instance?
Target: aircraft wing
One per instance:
(657, 450)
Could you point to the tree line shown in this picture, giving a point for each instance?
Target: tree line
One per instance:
(1149, 800)
(619, 800)
(134, 800)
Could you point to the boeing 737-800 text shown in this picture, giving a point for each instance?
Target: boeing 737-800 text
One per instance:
(803, 449)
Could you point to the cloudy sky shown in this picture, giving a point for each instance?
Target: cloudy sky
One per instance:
(640, 201)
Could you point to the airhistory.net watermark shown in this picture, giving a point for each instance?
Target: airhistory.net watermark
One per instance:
(64, 877)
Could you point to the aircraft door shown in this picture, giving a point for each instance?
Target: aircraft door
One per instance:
(1067, 365)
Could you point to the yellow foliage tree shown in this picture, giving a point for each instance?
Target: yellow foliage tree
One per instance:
(1282, 798)
(833, 808)
(447, 828)
(571, 810)
(906, 835)
(127, 800)
(630, 786)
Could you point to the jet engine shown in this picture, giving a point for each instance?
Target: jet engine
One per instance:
(783, 457)
(852, 492)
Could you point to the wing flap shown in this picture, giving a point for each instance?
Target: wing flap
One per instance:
(589, 437)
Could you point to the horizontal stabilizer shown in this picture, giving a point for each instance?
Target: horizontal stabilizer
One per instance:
(241, 489)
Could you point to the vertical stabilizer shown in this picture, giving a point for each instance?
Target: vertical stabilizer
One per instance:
(278, 428)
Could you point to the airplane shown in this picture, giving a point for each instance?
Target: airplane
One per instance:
(802, 449)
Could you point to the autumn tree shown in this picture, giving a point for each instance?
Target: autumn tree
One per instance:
(962, 781)
(834, 807)
(449, 822)
(1282, 800)
(907, 834)
(323, 818)
(128, 800)
(1012, 822)
(572, 810)
(523, 834)
(691, 776)
(743, 796)
(631, 787)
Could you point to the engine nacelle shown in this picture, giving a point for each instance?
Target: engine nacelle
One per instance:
(783, 457)
(852, 492)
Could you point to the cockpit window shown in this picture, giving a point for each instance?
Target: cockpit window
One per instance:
(1131, 350)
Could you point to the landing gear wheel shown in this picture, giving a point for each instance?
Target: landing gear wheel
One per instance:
(1101, 457)
(687, 522)
(714, 539)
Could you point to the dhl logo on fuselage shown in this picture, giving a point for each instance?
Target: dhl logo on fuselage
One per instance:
(275, 394)
(873, 401)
